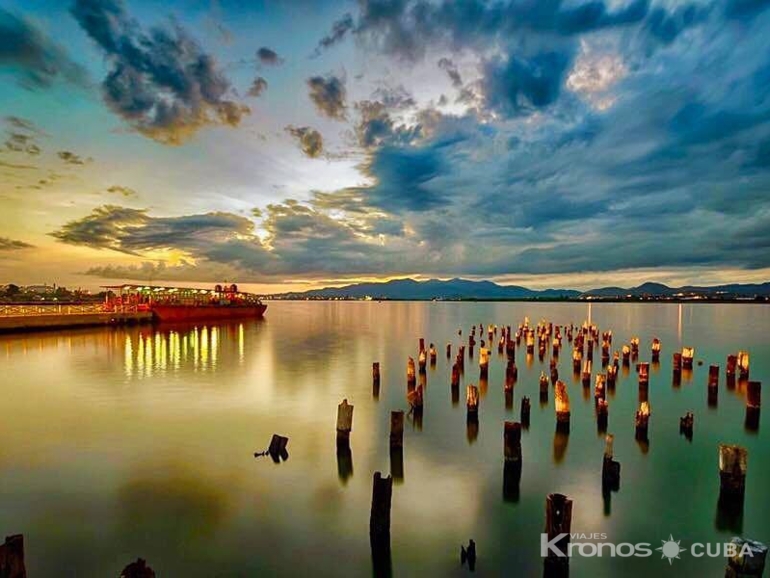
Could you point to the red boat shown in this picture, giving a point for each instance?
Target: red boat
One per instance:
(179, 304)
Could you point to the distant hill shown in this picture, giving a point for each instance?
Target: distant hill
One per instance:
(453, 289)
(409, 289)
(729, 291)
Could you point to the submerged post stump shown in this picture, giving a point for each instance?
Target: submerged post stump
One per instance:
(12, 557)
(344, 422)
(379, 522)
(686, 424)
(138, 569)
(748, 559)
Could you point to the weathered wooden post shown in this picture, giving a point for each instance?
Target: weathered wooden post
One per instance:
(561, 402)
(543, 382)
(376, 379)
(746, 559)
(626, 350)
(602, 415)
(411, 374)
(713, 376)
(379, 523)
(635, 347)
(655, 347)
(686, 424)
(733, 464)
(138, 569)
(455, 379)
(513, 461)
(530, 342)
(743, 364)
(449, 351)
(525, 411)
(483, 362)
(472, 400)
(511, 373)
(687, 356)
(12, 557)
(558, 524)
(422, 359)
(753, 404)
(612, 376)
(396, 429)
(600, 390)
(415, 398)
(643, 371)
(577, 358)
(461, 358)
(556, 345)
(677, 368)
(344, 422)
(610, 468)
(432, 354)
(554, 373)
(587, 369)
(642, 420)
(421, 345)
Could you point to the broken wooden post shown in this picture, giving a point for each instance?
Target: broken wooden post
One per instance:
(745, 559)
(461, 358)
(396, 429)
(415, 398)
(483, 362)
(422, 359)
(635, 346)
(554, 374)
(344, 422)
(753, 404)
(468, 555)
(602, 415)
(455, 378)
(379, 523)
(530, 342)
(558, 526)
(577, 358)
(587, 369)
(543, 382)
(626, 350)
(432, 354)
(713, 376)
(138, 569)
(655, 347)
(411, 375)
(12, 557)
(512, 440)
(449, 351)
(600, 390)
(276, 450)
(686, 424)
(421, 346)
(472, 400)
(610, 468)
(643, 371)
(687, 356)
(511, 373)
(642, 420)
(743, 365)
(556, 345)
(677, 367)
(376, 379)
(561, 403)
(733, 464)
(525, 411)
(612, 375)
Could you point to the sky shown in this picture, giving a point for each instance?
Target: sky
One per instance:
(290, 144)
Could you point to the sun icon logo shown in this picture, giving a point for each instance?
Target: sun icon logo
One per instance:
(670, 549)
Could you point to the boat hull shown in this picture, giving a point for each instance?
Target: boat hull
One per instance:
(181, 313)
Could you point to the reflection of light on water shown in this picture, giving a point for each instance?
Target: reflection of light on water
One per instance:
(204, 347)
(214, 346)
(240, 343)
(589, 313)
(128, 356)
(679, 323)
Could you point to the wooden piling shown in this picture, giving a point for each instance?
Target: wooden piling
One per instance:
(643, 372)
(713, 376)
(686, 424)
(376, 373)
(655, 348)
(754, 394)
(733, 465)
(12, 557)
(483, 362)
(525, 411)
(743, 365)
(688, 353)
(558, 522)
(642, 420)
(422, 359)
(344, 422)
(561, 404)
(600, 390)
(610, 468)
(577, 358)
(396, 429)
(411, 374)
(543, 382)
(746, 564)
(512, 441)
(449, 351)
(602, 415)
(472, 399)
(587, 369)
(379, 521)
(415, 398)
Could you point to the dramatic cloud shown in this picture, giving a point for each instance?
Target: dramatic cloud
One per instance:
(36, 60)
(310, 140)
(257, 87)
(161, 82)
(268, 57)
(328, 94)
(7, 244)
(339, 30)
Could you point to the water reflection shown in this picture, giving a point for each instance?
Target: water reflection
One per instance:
(344, 462)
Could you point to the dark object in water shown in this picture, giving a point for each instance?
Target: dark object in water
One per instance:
(743, 565)
(138, 569)
(12, 557)
(468, 555)
(276, 450)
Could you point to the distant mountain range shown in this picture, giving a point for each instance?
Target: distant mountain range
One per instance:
(454, 289)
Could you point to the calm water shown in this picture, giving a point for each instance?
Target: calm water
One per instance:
(138, 442)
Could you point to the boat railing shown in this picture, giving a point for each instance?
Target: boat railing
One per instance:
(37, 309)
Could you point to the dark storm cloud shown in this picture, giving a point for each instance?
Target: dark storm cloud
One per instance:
(161, 82)
(339, 30)
(7, 244)
(310, 140)
(34, 58)
(328, 94)
(268, 57)
(258, 86)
